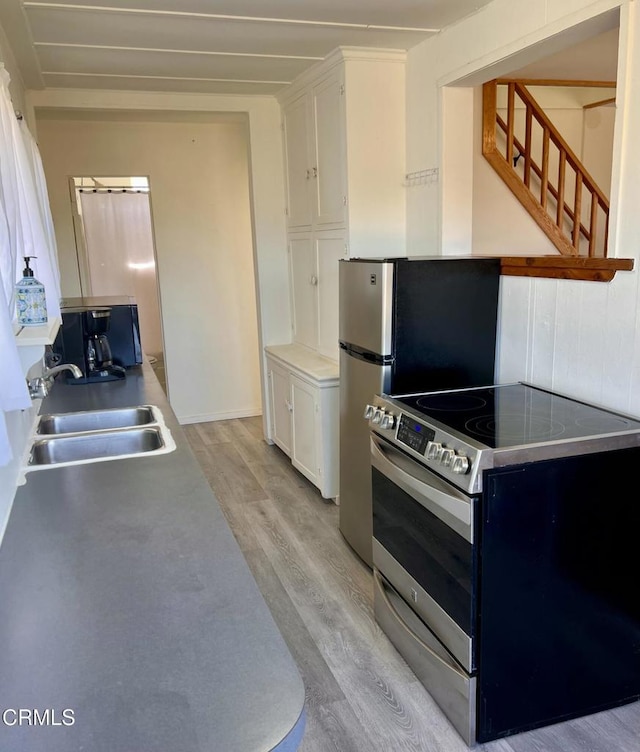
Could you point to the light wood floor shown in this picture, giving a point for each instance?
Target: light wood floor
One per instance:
(360, 694)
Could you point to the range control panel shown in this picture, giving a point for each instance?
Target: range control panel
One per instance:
(415, 435)
(436, 448)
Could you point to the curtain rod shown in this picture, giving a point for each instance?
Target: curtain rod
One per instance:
(113, 189)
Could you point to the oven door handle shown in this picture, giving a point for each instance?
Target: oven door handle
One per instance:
(436, 495)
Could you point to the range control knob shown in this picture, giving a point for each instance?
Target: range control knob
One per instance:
(377, 415)
(446, 458)
(388, 421)
(461, 465)
(368, 411)
(434, 450)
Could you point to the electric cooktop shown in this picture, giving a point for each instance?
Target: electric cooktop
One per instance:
(461, 432)
(516, 414)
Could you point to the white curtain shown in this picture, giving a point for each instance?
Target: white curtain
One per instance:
(25, 203)
(49, 270)
(26, 229)
(13, 387)
(120, 254)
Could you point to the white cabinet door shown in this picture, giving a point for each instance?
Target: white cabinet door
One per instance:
(304, 409)
(299, 174)
(281, 406)
(329, 189)
(304, 448)
(304, 290)
(330, 248)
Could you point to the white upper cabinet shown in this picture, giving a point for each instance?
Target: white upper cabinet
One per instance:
(329, 179)
(344, 141)
(316, 176)
(295, 124)
(343, 125)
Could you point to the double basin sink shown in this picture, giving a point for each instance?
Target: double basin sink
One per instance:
(98, 435)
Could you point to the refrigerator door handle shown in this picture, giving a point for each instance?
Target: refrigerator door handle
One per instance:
(366, 355)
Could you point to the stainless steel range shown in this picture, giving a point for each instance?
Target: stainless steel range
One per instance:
(505, 535)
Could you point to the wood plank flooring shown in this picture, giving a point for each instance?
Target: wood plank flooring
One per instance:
(360, 694)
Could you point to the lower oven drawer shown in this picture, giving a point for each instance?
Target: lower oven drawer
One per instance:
(449, 685)
(455, 639)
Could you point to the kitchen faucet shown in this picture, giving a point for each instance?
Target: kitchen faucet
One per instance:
(41, 385)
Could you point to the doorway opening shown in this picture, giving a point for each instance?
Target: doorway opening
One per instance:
(116, 254)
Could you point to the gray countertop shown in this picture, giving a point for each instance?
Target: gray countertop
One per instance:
(125, 598)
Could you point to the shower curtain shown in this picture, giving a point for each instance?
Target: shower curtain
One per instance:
(120, 254)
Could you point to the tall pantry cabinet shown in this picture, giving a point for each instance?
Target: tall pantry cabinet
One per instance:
(343, 124)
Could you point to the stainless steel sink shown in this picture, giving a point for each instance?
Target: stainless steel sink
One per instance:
(93, 446)
(96, 420)
(97, 435)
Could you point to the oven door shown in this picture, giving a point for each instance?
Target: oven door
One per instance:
(423, 544)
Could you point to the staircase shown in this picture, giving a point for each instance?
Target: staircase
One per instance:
(544, 174)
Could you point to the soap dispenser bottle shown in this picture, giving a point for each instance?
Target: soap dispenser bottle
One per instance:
(31, 302)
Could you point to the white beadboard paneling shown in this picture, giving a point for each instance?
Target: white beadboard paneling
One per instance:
(545, 295)
(621, 353)
(512, 356)
(588, 325)
(567, 345)
(632, 360)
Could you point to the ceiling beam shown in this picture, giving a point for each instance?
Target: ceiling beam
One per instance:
(223, 17)
(179, 52)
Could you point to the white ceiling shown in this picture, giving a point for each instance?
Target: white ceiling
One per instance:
(212, 46)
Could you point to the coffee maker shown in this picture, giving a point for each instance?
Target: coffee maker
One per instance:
(92, 348)
(97, 349)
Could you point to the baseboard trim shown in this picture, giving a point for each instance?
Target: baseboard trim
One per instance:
(210, 417)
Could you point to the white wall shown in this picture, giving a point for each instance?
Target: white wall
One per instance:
(580, 338)
(597, 143)
(267, 218)
(198, 173)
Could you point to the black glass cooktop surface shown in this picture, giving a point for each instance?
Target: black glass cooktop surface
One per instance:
(517, 414)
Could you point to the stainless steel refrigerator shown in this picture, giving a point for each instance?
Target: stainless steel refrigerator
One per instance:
(406, 325)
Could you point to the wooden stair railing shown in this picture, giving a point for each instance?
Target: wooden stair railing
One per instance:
(557, 207)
